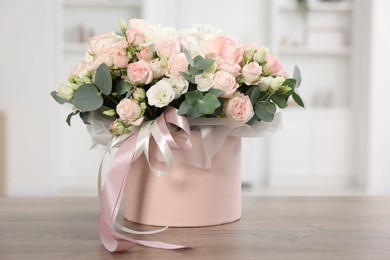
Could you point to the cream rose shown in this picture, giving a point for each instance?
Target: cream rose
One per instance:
(135, 36)
(204, 81)
(177, 63)
(107, 44)
(128, 110)
(160, 94)
(65, 92)
(251, 73)
(239, 108)
(139, 72)
(225, 81)
(276, 83)
(167, 47)
(264, 83)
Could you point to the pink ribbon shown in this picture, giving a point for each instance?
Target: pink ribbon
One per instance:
(111, 194)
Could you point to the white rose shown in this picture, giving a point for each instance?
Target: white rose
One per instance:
(160, 94)
(180, 86)
(264, 83)
(261, 54)
(204, 81)
(192, 45)
(276, 83)
(65, 92)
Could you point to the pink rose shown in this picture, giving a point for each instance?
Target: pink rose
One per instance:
(274, 66)
(224, 48)
(120, 61)
(177, 63)
(251, 73)
(167, 47)
(128, 110)
(135, 36)
(239, 108)
(145, 54)
(229, 66)
(157, 69)
(225, 81)
(139, 72)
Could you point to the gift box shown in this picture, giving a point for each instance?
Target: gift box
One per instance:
(189, 195)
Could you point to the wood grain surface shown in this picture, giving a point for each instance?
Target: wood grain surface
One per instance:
(270, 228)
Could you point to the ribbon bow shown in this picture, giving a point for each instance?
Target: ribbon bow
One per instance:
(131, 149)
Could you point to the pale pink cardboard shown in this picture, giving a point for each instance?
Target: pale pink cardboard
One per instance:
(187, 196)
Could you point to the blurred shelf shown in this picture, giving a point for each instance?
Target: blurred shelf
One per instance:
(341, 6)
(342, 50)
(103, 3)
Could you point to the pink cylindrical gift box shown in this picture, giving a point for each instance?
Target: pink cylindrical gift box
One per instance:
(188, 196)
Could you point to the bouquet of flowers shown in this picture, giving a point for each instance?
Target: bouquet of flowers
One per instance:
(148, 78)
(135, 75)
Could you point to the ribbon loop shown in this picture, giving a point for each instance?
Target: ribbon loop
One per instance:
(129, 150)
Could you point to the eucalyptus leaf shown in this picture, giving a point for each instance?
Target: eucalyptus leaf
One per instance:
(87, 98)
(298, 99)
(189, 59)
(280, 101)
(187, 77)
(297, 76)
(193, 97)
(203, 64)
(255, 94)
(103, 79)
(208, 104)
(58, 99)
(85, 117)
(69, 117)
(216, 92)
(186, 109)
(123, 87)
(265, 111)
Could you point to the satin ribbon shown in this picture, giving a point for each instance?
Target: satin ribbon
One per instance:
(130, 149)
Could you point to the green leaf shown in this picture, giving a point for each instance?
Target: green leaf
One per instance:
(203, 64)
(297, 76)
(103, 79)
(123, 87)
(216, 92)
(280, 101)
(208, 104)
(58, 99)
(186, 109)
(69, 117)
(198, 58)
(290, 83)
(84, 116)
(193, 97)
(265, 111)
(87, 98)
(187, 77)
(255, 94)
(298, 99)
(189, 59)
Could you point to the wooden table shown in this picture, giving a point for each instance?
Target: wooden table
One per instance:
(270, 228)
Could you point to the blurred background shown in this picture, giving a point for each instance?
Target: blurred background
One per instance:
(338, 146)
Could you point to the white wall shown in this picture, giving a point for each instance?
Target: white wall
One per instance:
(379, 123)
(26, 76)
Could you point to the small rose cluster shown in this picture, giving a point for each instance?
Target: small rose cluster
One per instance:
(152, 67)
